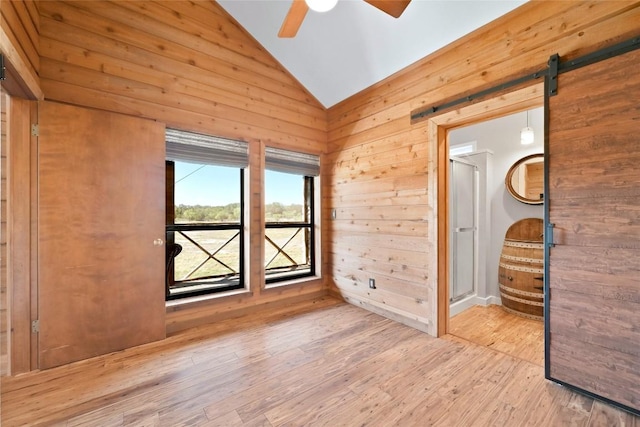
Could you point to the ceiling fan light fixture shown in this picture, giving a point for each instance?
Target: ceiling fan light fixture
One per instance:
(321, 5)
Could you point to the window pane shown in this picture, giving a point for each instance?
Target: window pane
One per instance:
(209, 258)
(284, 197)
(288, 238)
(204, 242)
(206, 193)
(459, 149)
(292, 243)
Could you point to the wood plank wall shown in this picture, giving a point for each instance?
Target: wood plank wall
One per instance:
(191, 66)
(381, 179)
(19, 42)
(184, 63)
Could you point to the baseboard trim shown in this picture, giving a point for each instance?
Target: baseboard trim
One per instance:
(407, 319)
(470, 301)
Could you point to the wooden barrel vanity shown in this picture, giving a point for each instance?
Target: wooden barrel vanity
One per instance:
(521, 269)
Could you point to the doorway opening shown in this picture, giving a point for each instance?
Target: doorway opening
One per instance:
(496, 248)
(453, 129)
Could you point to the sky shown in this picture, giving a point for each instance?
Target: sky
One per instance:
(218, 186)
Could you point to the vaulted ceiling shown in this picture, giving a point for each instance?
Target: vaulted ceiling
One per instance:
(341, 52)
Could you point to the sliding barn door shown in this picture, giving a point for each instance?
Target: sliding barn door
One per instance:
(594, 202)
(101, 213)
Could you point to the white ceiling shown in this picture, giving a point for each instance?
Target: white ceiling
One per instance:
(341, 52)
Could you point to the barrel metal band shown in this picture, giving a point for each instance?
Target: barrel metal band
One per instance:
(528, 245)
(522, 259)
(519, 268)
(519, 292)
(524, 301)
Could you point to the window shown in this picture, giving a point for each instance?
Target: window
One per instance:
(204, 251)
(290, 205)
(459, 149)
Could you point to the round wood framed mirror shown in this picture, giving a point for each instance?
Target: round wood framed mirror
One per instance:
(525, 179)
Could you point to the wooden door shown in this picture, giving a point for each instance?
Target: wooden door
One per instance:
(593, 340)
(101, 211)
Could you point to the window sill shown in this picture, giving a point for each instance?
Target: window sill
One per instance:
(299, 281)
(186, 302)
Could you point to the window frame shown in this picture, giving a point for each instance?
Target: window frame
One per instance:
(310, 201)
(240, 227)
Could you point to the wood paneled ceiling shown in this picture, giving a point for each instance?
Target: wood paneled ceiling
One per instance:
(341, 52)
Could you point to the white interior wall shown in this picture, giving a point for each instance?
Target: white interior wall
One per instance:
(502, 138)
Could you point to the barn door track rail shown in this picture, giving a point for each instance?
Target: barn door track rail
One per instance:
(554, 67)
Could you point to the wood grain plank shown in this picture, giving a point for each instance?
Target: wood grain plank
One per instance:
(13, 15)
(613, 225)
(416, 196)
(374, 185)
(376, 169)
(382, 241)
(573, 316)
(596, 180)
(380, 213)
(597, 276)
(30, 25)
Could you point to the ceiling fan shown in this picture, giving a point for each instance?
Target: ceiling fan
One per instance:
(299, 9)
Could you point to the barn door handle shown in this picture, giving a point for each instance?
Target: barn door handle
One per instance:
(549, 234)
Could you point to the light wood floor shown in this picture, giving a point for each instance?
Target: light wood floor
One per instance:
(508, 333)
(319, 363)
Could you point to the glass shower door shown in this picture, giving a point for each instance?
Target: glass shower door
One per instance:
(463, 207)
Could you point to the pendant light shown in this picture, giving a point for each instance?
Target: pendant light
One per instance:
(526, 134)
(321, 5)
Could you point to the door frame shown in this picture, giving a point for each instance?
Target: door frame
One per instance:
(525, 98)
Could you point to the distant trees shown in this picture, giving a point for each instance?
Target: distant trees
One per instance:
(277, 212)
(199, 213)
(231, 213)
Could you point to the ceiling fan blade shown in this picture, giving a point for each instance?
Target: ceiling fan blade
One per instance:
(294, 19)
(391, 7)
